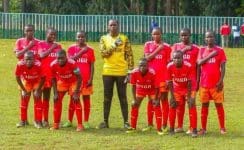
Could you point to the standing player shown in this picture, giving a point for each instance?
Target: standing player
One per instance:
(157, 53)
(144, 84)
(84, 57)
(179, 80)
(30, 79)
(27, 43)
(47, 51)
(190, 54)
(212, 61)
(225, 33)
(65, 78)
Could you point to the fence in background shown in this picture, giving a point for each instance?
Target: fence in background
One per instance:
(137, 27)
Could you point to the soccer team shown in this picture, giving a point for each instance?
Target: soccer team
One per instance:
(180, 70)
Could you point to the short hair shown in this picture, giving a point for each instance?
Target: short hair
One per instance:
(51, 29)
(187, 30)
(143, 59)
(29, 53)
(114, 20)
(30, 25)
(210, 31)
(178, 52)
(61, 52)
(157, 28)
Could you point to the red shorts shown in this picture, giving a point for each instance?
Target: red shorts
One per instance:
(182, 97)
(151, 97)
(86, 90)
(66, 87)
(163, 87)
(30, 86)
(207, 94)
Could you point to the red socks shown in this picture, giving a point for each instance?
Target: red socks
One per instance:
(23, 107)
(221, 116)
(134, 116)
(165, 111)
(150, 112)
(158, 114)
(78, 111)
(172, 115)
(58, 108)
(38, 109)
(71, 110)
(204, 117)
(180, 113)
(193, 117)
(87, 106)
(45, 109)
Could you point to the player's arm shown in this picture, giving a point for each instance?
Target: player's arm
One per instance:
(92, 74)
(37, 92)
(134, 92)
(150, 56)
(205, 59)
(20, 53)
(48, 51)
(78, 84)
(171, 89)
(55, 89)
(21, 85)
(81, 52)
(105, 51)
(220, 84)
(186, 48)
(198, 76)
(129, 55)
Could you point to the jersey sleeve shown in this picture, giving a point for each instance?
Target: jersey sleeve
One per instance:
(133, 78)
(146, 48)
(18, 70)
(222, 56)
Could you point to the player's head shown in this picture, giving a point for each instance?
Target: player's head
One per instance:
(81, 37)
(143, 65)
(29, 31)
(51, 34)
(156, 34)
(61, 57)
(113, 26)
(29, 58)
(178, 58)
(185, 34)
(210, 38)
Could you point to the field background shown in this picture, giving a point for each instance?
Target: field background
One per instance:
(115, 137)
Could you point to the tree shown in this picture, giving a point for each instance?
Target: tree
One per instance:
(5, 5)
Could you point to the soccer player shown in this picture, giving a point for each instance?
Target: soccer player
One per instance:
(27, 43)
(47, 51)
(225, 33)
(179, 80)
(84, 57)
(30, 80)
(117, 54)
(66, 78)
(144, 84)
(212, 61)
(157, 53)
(190, 54)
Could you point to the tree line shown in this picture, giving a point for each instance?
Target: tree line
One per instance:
(128, 7)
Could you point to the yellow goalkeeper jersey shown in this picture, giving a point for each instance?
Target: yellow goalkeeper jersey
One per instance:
(117, 55)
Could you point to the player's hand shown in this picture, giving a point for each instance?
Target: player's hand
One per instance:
(127, 79)
(31, 44)
(55, 96)
(173, 103)
(118, 42)
(219, 86)
(84, 49)
(76, 96)
(156, 102)
(37, 93)
(191, 102)
(54, 45)
(89, 83)
(25, 94)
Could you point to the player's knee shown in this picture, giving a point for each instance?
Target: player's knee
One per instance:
(135, 103)
(218, 104)
(205, 104)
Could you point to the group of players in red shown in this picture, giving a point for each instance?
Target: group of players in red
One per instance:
(44, 64)
(181, 70)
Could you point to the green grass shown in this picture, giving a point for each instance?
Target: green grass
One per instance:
(115, 137)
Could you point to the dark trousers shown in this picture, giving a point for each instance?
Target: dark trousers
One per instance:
(108, 85)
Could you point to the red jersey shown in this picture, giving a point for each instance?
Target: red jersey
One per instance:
(84, 61)
(210, 71)
(23, 42)
(145, 85)
(30, 75)
(225, 30)
(65, 73)
(160, 61)
(242, 29)
(179, 76)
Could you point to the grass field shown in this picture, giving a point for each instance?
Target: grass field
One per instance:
(115, 137)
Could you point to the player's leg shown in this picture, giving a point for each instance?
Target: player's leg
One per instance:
(24, 102)
(193, 115)
(45, 105)
(165, 110)
(37, 111)
(158, 113)
(71, 111)
(121, 90)
(87, 108)
(108, 85)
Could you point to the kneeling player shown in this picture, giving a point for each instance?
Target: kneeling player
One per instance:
(143, 84)
(179, 82)
(65, 78)
(30, 79)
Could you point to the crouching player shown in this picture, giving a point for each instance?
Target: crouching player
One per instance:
(65, 78)
(180, 86)
(212, 61)
(144, 84)
(30, 79)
